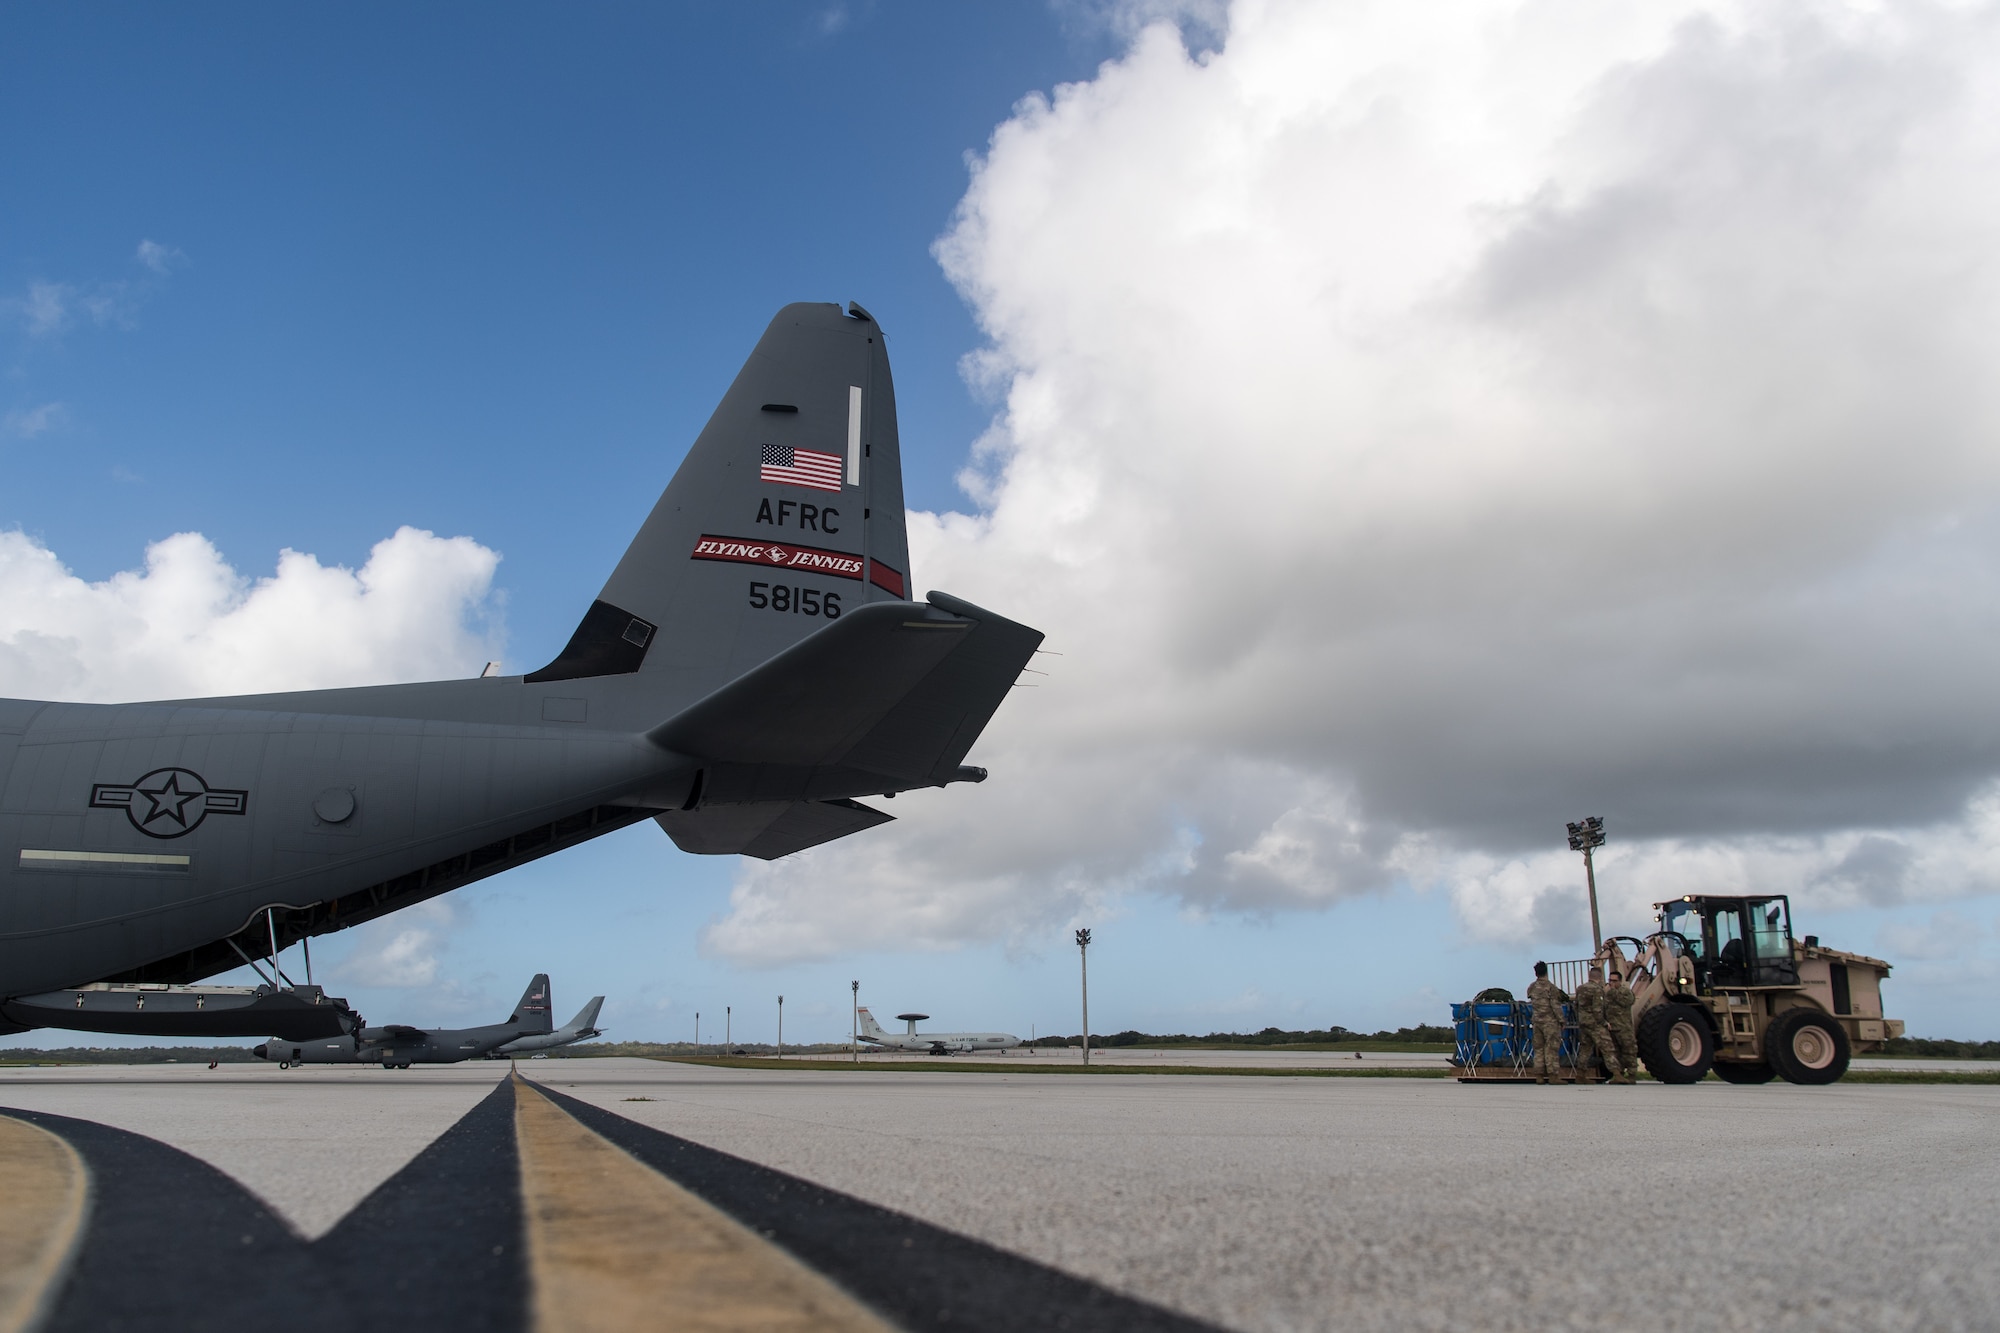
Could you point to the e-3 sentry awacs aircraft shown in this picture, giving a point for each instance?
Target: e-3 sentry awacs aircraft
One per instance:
(753, 664)
(936, 1043)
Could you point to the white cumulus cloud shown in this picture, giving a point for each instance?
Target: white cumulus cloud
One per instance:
(189, 624)
(48, 308)
(1423, 424)
(28, 422)
(161, 259)
(400, 952)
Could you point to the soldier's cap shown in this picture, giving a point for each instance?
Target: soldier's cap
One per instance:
(1541, 969)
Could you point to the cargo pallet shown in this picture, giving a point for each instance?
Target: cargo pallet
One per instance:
(1496, 1038)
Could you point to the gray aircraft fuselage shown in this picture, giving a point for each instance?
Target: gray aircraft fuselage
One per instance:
(396, 1046)
(581, 1028)
(935, 1043)
(432, 1046)
(754, 662)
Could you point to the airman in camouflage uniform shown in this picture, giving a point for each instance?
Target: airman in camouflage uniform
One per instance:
(1618, 1016)
(1592, 1032)
(1548, 1002)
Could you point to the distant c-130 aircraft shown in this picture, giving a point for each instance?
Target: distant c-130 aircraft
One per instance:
(753, 664)
(398, 1045)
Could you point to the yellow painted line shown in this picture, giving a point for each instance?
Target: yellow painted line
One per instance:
(44, 1193)
(614, 1245)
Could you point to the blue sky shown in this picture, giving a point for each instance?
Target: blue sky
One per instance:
(319, 274)
(422, 268)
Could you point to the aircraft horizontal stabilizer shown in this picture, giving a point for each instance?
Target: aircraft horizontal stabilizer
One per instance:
(767, 830)
(752, 667)
(896, 690)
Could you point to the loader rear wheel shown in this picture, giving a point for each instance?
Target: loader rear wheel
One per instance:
(1730, 1071)
(1675, 1044)
(1805, 1046)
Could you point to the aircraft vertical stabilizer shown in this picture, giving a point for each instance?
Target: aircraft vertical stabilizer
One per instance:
(755, 667)
(586, 1018)
(786, 514)
(532, 1013)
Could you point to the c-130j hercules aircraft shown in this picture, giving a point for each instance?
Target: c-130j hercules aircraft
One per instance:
(752, 665)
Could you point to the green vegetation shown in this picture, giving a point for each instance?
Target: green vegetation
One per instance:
(668, 1050)
(1939, 1048)
(127, 1055)
(834, 1055)
(960, 1066)
(1425, 1037)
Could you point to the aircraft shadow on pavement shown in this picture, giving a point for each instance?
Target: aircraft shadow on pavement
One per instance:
(171, 1243)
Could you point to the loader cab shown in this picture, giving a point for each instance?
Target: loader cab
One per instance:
(1735, 941)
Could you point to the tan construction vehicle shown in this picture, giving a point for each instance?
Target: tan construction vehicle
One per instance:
(1722, 984)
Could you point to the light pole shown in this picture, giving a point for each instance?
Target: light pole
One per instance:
(781, 1027)
(697, 1032)
(1586, 836)
(1083, 956)
(727, 1040)
(854, 1021)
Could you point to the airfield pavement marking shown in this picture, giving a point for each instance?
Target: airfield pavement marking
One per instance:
(1278, 1204)
(173, 1245)
(613, 1243)
(312, 1143)
(532, 1213)
(1102, 1205)
(41, 1217)
(917, 1274)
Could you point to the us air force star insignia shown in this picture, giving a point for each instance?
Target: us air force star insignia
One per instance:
(168, 802)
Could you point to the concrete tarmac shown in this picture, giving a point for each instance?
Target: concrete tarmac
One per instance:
(1281, 1058)
(311, 1144)
(1264, 1203)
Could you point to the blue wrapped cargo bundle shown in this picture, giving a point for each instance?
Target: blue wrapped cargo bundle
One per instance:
(1496, 1038)
(1494, 1032)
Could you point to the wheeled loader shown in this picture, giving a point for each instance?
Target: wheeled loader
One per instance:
(1721, 985)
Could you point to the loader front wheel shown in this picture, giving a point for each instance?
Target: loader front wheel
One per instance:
(1805, 1046)
(1675, 1044)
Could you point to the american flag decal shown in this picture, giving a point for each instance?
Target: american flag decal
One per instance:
(810, 468)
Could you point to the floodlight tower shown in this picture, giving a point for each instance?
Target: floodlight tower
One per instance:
(854, 1021)
(1083, 956)
(781, 1027)
(1586, 836)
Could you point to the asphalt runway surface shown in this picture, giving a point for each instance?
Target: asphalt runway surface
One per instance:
(963, 1200)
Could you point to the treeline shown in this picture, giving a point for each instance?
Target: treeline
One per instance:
(1942, 1048)
(1421, 1035)
(127, 1055)
(1935, 1048)
(657, 1049)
